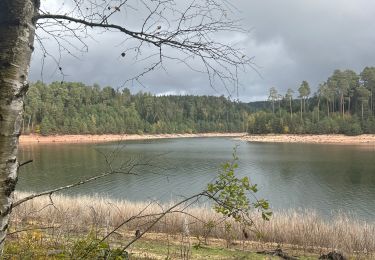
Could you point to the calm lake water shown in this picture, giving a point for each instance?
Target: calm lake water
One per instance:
(327, 178)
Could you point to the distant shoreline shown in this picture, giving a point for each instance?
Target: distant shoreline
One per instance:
(39, 139)
(366, 139)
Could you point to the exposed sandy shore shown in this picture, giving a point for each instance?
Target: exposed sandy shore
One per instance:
(35, 139)
(329, 139)
(271, 138)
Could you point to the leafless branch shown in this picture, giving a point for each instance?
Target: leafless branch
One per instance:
(193, 32)
(128, 169)
(29, 229)
(24, 163)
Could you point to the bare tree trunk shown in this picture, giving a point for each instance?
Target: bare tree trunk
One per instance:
(290, 105)
(342, 107)
(23, 126)
(349, 106)
(318, 109)
(17, 31)
(362, 110)
(301, 108)
(28, 125)
(372, 104)
(304, 104)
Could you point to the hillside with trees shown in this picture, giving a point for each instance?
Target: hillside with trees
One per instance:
(74, 108)
(343, 104)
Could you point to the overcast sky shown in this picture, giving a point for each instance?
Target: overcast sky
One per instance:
(290, 40)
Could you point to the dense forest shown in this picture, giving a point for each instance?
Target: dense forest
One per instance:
(344, 103)
(74, 108)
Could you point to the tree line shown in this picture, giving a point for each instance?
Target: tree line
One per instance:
(74, 108)
(344, 103)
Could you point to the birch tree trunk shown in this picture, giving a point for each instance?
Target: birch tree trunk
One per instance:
(17, 31)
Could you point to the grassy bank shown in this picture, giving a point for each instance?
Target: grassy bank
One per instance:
(67, 217)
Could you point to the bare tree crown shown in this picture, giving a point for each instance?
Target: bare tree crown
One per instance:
(156, 32)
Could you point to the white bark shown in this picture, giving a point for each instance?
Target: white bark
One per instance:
(17, 31)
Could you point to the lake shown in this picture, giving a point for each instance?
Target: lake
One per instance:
(326, 178)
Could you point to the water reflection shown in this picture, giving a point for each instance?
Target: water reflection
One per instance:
(323, 177)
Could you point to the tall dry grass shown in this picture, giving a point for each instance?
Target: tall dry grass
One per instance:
(305, 229)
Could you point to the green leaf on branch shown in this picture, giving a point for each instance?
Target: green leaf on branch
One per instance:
(232, 194)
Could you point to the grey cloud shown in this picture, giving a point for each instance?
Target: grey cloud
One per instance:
(290, 40)
(318, 36)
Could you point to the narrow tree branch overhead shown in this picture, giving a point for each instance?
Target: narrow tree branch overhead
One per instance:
(154, 34)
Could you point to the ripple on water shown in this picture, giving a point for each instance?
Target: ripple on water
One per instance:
(323, 177)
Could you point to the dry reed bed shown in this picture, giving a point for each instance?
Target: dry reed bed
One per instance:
(304, 229)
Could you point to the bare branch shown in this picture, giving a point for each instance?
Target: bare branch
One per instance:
(169, 210)
(178, 31)
(129, 170)
(24, 163)
(30, 229)
(136, 35)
